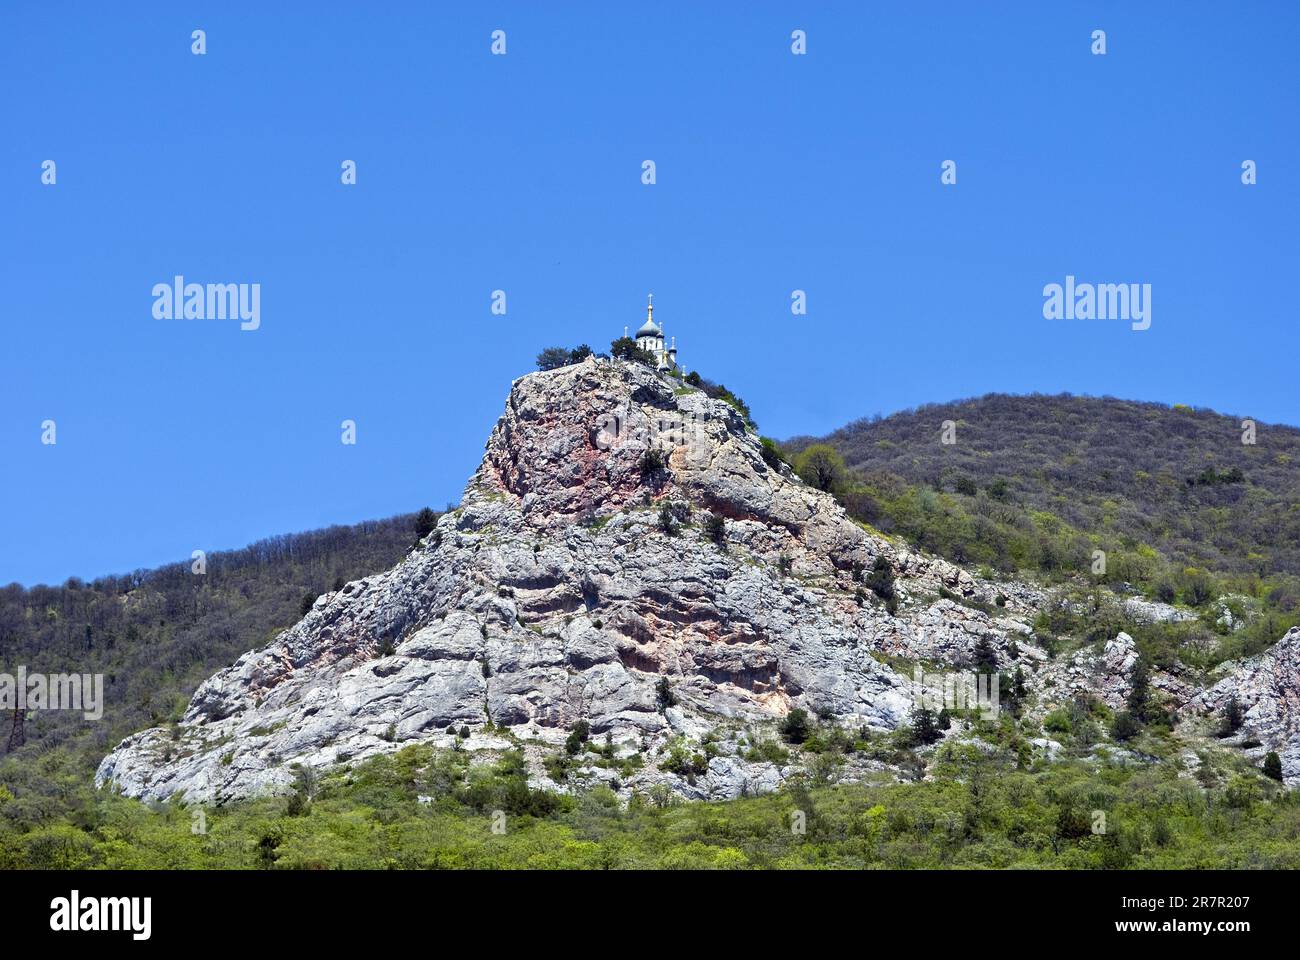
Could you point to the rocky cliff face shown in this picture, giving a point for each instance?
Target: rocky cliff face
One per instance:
(1267, 689)
(580, 580)
(553, 594)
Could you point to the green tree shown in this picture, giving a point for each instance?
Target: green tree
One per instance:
(425, 521)
(652, 462)
(1273, 766)
(881, 583)
(821, 466)
(925, 729)
(667, 522)
(1198, 589)
(1139, 696)
(795, 727)
(625, 348)
(985, 657)
(664, 695)
(552, 357)
(1012, 690)
(1232, 718)
(1125, 726)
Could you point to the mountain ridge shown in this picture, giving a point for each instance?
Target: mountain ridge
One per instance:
(1133, 475)
(569, 584)
(663, 621)
(573, 592)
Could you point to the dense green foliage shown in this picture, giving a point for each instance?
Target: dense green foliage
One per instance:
(552, 358)
(821, 465)
(980, 811)
(1176, 478)
(625, 348)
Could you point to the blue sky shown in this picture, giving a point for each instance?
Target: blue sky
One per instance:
(477, 172)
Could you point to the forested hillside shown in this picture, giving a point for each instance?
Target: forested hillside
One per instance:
(1137, 479)
(155, 635)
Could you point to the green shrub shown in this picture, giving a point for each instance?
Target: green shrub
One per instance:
(1059, 721)
(664, 695)
(773, 456)
(652, 462)
(577, 737)
(684, 762)
(1125, 726)
(1273, 766)
(715, 528)
(795, 726)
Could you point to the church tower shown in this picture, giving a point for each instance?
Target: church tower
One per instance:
(650, 338)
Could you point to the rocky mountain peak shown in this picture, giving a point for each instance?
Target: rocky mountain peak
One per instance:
(580, 579)
(572, 446)
(625, 556)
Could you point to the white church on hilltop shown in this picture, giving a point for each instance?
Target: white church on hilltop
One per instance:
(650, 338)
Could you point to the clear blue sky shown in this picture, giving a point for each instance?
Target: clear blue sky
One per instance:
(522, 172)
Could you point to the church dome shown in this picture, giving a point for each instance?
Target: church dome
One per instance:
(649, 329)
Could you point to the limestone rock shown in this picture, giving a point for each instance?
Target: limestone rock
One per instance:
(551, 595)
(1267, 688)
(576, 580)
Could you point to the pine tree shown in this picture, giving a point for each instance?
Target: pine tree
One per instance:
(795, 727)
(924, 727)
(1140, 695)
(1232, 718)
(552, 358)
(425, 521)
(664, 694)
(986, 658)
(1273, 766)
